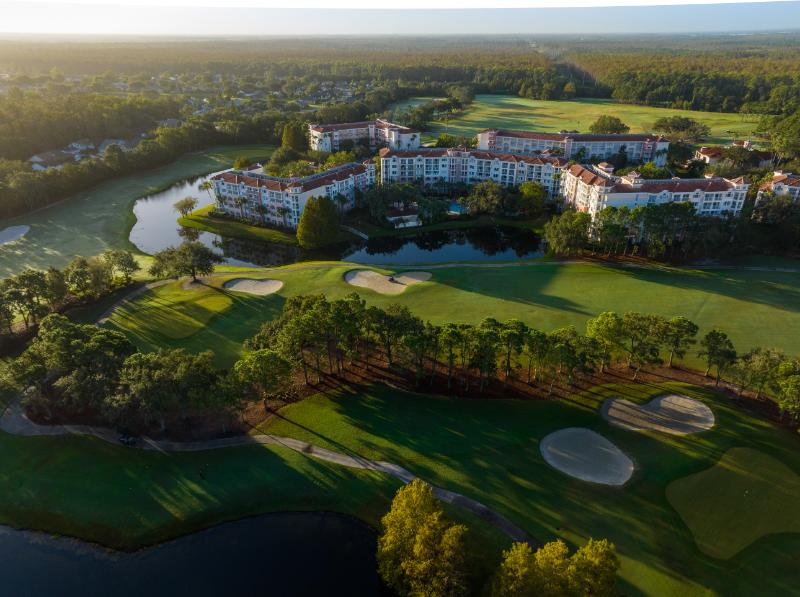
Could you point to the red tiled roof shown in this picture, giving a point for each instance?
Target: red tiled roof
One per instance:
(305, 183)
(435, 152)
(676, 185)
(790, 180)
(379, 123)
(327, 128)
(709, 185)
(574, 136)
(711, 152)
(588, 176)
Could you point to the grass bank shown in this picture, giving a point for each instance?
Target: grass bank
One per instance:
(202, 219)
(94, 220)
(508, 111)
(756, 308)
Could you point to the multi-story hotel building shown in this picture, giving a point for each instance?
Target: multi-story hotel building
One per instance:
(279, 201)
(329, 137)
(470, 166)
(639, 148)
(783, 184)
(591, 189)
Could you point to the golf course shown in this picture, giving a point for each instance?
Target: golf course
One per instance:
(90, 222)
(512, 112)
(755, 308)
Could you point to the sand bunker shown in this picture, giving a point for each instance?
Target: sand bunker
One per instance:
(251, 286)
(12, 233)
(385, 284)
(674, 414)
(586, 455)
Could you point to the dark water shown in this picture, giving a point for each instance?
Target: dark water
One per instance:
(282, 554)
(156, 229)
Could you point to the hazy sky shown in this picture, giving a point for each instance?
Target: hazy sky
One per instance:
(364, 17)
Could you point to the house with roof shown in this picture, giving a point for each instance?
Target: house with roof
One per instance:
(638, 148)
(251, 195)
(783, 184)
(379, 132)
(591, 189)
(50, 159)
(713, 154)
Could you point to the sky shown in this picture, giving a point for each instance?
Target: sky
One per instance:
(386, 17)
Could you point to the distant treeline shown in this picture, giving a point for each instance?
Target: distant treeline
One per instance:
(32, 122)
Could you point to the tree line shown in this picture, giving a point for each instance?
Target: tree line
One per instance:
(421, 551)
(31, 121)
(318, 336)
(30, 295)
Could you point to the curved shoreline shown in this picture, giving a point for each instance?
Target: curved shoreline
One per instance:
(14, 421)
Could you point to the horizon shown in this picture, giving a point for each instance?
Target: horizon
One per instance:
(142, 19)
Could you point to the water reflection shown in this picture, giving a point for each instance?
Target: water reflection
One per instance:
(156, 229)
(277, 554)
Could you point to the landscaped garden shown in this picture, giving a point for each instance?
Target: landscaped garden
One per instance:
(512, 112)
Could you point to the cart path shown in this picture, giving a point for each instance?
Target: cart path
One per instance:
(14, 421)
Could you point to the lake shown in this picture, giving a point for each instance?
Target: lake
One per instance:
(156, 228)
(290, 553)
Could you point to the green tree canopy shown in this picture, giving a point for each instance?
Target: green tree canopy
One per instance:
(420, 551)
(191, 258)
(608, 125)
(319, 223)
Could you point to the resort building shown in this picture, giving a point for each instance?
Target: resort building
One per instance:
(713, 154)
(329, 137)
(591, 189)
(470, 166)
(250, 195)
(577, 146)
(783, 184)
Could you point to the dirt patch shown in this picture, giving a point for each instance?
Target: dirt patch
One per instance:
(253, 286)
(673, 414)
(586, 455)
(396, 284)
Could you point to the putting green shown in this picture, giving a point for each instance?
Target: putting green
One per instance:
(745, 496)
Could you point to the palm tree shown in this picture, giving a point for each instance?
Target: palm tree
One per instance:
(239, 202)
(283, 212)
(206, 186)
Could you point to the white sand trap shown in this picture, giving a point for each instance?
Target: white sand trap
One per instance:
(12, 233)
(251, 286)
(586, 455)
(674, 414)
(383, 284)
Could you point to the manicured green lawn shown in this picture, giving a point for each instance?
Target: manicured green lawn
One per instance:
(745, 496)
(754, 308)
(201, 220)
(488, 449)
(92, 221)
(197, 319)
(512, 112)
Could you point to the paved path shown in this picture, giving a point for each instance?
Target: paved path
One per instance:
(14, 421)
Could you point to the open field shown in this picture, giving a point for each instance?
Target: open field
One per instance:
(92, 221)
(508, 111)
(755, 308)
(489, 450)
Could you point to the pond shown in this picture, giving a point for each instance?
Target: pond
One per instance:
(302, 553)
(156, 228)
